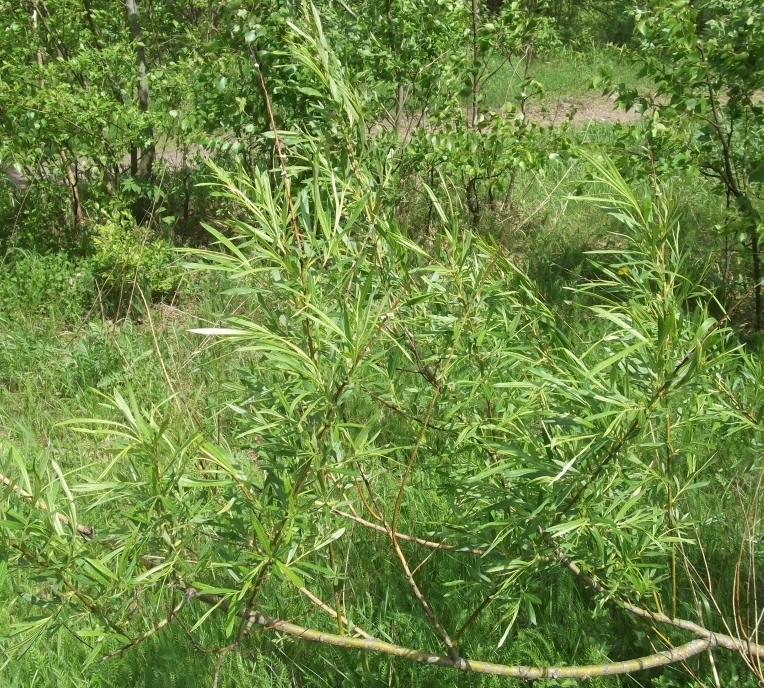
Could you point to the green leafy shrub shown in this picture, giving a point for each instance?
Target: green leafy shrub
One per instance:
(127, 257)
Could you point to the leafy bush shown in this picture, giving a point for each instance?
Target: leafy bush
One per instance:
(128, 257)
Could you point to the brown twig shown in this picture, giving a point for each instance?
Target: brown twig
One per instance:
(344, 620)
(392, 531)
(426, 608)
(280, 154)
(408, 538)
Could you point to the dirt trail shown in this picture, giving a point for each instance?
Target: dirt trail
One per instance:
(586, 110)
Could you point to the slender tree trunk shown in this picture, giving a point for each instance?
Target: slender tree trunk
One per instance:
(400, 90)
(72, 181)
(38, 52)
(475, 58)
(529, 47)
(756, 257)
(91, 23)
(141, 162)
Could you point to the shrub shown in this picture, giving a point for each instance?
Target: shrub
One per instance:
(127, 257)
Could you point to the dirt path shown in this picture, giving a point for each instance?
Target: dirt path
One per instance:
(585, 109)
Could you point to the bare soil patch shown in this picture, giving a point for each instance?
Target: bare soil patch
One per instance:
(580, 110)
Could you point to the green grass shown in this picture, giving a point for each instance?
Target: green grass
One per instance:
(566, 77)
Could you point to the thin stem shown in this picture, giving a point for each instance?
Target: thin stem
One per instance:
(155, 629)
(343, 620)
(409, 538)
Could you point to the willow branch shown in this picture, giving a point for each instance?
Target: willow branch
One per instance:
(707, 639)
(280, 154)
(426, 608)
(392, 530)
(658, 659)
(728, 642)
(408, 538)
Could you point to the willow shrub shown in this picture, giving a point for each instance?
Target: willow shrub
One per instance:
(416, 393)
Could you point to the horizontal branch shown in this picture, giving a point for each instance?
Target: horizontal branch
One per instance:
(408, 538)
(718, 639)
(723, 640)
(707, 639)
(85, 531)
(659, 659)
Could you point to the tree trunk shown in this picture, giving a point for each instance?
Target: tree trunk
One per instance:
(72, 181)
(756, 257)
(70, 171)
(400, 91)
(142, 161)
(475, 56)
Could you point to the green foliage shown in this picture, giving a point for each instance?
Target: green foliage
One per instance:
(365, 377)
(48, 284)
(376, 376)
(126, 257)
(482, 163)
(581, 23)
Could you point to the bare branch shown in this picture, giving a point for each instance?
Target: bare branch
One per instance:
(677, 654)
(408, 538)
(429, 613)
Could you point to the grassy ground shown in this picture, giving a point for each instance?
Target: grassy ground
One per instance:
(566, 77)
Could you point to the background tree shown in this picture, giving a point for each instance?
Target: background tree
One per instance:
(707, 62)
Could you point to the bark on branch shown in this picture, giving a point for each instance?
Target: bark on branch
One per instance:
(141, 165)
(659, 659)
(707, 639)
